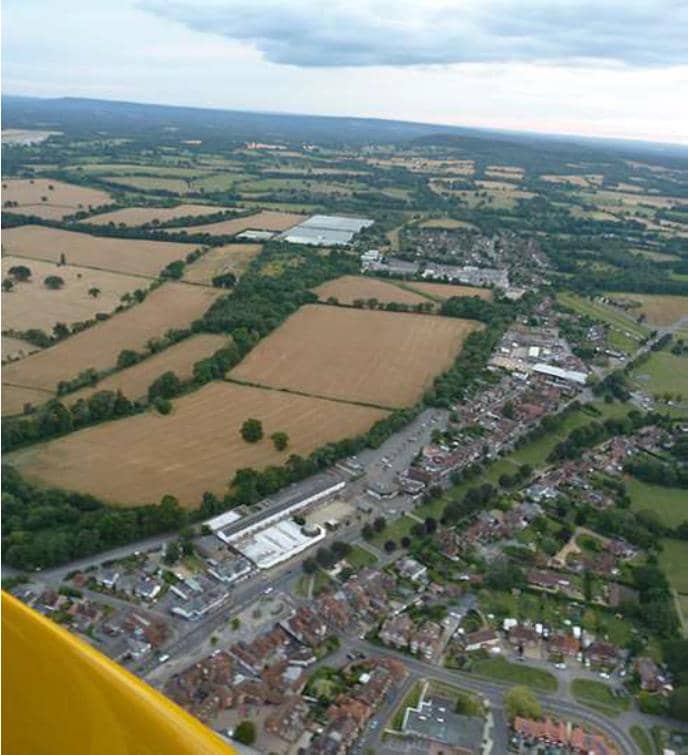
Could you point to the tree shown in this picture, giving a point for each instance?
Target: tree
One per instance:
(379, 524)
(127, 358)
(94, 292)
(367, 532)
(168, 385)
(20, 272)
(171, 553)
(53, 282)
(245, 732)
(309, 566)
(390, 546)
(280, 440)
(162, 405)
(252, 430)
(7, 284)
(520, 701)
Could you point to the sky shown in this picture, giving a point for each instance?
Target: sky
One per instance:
(616, 68)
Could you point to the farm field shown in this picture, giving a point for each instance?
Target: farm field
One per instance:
(660, 309)
(62, 200)
(447, 290)
(381, 358)
(673, 560)
(132, 256)
(670, 504)
(583, 180)
(348, 288)
(663, 372)
(195, 449)
(151, 183)
(32, 305)
(173, 305)
(137, 169)
(135, 381)
(15, 397)
(138, 216)
(613, 317)
(267, 220)
(16, 348)
(231, 258)
(446, 223)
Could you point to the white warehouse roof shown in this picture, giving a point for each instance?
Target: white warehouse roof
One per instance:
(573, 375)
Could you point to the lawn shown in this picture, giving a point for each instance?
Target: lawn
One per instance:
(673, 560)
(663, 373)
(614, 319)
(395, 530)
(671, 504)
(515, 673)
(642, 740)
(410, 701)
(599, 696)
(361, 557)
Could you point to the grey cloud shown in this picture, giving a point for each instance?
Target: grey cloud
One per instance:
(653, 33)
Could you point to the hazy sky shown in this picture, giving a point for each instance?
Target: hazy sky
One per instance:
(594, 67)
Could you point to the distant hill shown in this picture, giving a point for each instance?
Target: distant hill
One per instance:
(80, 117)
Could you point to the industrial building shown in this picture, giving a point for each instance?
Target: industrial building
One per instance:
(326, 230)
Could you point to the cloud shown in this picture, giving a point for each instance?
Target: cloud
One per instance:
(335, 33)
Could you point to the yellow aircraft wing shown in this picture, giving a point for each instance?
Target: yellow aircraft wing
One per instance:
(60, 696)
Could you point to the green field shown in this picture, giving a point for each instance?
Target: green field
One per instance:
(642, 740)
(663, 372)
(395, 530)
(361, 557)
(674, 561)
(625, 331)
(500, 669)
(599, 696)
(671, 504)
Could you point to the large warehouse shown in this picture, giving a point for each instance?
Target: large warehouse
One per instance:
(326, 230)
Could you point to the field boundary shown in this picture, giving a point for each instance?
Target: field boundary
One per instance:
(365, 404)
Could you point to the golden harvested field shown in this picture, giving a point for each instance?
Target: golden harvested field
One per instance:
(14, 398)
(137, 216)
(32, 305)
(629, 200)
(505, 171)
(446, 223)
(351, 287)
(180, 359)
(16, 348)
(382, 358)
(447, 290)
(231, 258)
(132, 256)
(62, 200)
(586, 180)
(173, 305)
(659, 309)
(267, 220)
(195, 448)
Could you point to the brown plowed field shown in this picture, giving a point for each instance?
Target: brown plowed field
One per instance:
(32, 305)
(196, 448)
(132, 256)
(232, 258)
(173, 305)
(62, 200)
(268, 220)
(348, 288)
(136, 216)
(381, 358)
(180, 359)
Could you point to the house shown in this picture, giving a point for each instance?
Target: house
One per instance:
(288, 722)
(560, 734)
(650, 678)
(147, 589)
(306, 626)
(602, 654)
(547, 580)
(564, 646)
(396, 631)
(521, 636)
(108, 578)
(426, 641)
(410, 569)
(483, 638)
